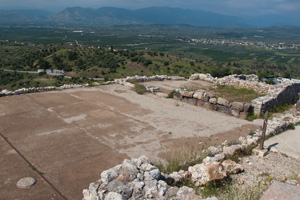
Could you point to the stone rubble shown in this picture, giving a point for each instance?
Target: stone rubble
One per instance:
(139, 179)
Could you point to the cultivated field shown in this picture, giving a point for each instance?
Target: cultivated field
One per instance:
(73, 135)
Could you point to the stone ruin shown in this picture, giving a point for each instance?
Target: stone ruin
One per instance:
(286, 92)
(140, 179)
(204, 99)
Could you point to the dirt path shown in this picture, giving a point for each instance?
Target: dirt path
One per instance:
(73, 135)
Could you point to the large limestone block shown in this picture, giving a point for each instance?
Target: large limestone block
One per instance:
(223, 102)
(187, 94)
(110, 174)
(213, 100)
(114, 196)
(238, 106)
(232, 167)
(201, 174)
(198, 95)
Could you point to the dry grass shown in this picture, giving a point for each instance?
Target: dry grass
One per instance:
(234, 94)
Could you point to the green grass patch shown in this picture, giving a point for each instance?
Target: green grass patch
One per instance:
(234, 94)
(139, 88)
(171, 94)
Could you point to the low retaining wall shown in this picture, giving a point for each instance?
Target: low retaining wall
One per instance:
(39, 89)
(286, 92)
(199, 98)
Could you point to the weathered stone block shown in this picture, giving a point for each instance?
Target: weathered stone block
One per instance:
(247, 107)
(187, 94)
(232, 167)
(238, 106)
(213, 100)
(223, 102)
(198, 95)
(235, 113)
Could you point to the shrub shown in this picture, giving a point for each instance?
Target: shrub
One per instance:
(139, 88)
(171, 94)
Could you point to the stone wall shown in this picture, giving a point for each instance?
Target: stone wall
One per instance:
(238, 81)
(286, 92)
(39, 89)
(204, 99)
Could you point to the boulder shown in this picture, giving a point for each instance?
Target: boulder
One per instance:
(232, 167)
(198, 95)
(220, 156)
(176, 177)
(172, 192)
(213, 150)
(187, 94)
(247, 107)
(235, 113)
(147, 167)
(213, 100)
(128, 172)
(201, 174)
(113, 185)
(93, 188)
(110, 174)
(114, 196)
(223, 102)
(150, 189)
(141, 160)
(162, 188)
(209, 160)
(26, 182)
(238, 106)
(230, 150)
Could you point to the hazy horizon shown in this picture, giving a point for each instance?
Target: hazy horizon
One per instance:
(229, 7)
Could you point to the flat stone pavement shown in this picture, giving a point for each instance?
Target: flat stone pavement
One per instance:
(71, 136)
(287, 142)
(281, 191)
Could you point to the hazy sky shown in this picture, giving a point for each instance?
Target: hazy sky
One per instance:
(232, 7)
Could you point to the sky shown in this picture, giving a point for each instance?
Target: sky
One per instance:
(229, 7)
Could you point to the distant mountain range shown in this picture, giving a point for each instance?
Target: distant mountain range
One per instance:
(151, 15)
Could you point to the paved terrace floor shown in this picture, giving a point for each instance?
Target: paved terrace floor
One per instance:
(71, 136)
